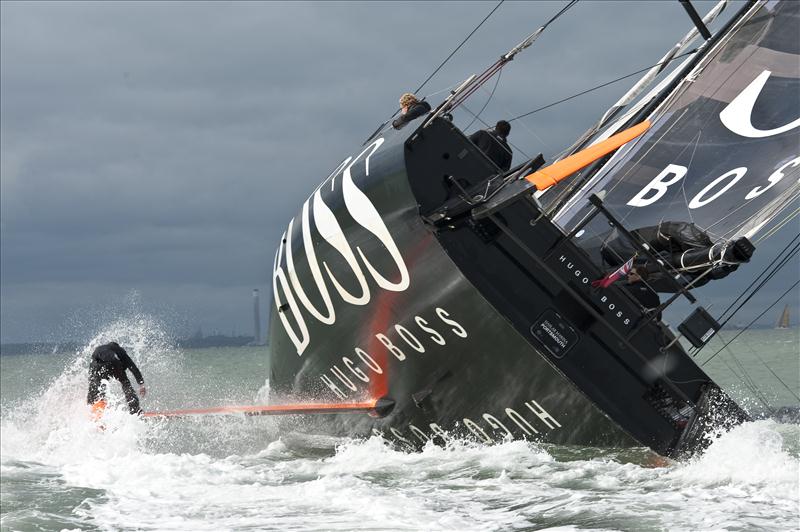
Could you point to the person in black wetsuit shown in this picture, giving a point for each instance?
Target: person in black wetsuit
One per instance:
(111, 361)
(410, 109)
(493, 143)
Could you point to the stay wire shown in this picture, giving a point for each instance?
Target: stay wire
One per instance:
(459, 46)
(380, 127)
(482, 121)
(778, 226)
(755, 391)
(759, 280)
(770, 369)
(489, 99)
(790, 249)
(751, 323)
(745, 378)
(563, 10)
(601, 86)
(772, 274)
(473, 85)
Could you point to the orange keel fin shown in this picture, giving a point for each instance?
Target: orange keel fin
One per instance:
(550, 175)
(377, 405)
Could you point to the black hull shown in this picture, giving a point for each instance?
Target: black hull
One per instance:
(477, 324)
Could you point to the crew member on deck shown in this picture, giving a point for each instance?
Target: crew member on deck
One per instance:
(410, 108)
(111, 361)
(493, 143)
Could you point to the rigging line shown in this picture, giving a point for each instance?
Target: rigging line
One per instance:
(524, 125)
(772, 274)
(482, 121)
(746, 379)
(766, 271)
(563, 10)
(683, 181)
(754, 387)
(635, 164)
(769, 368)
(746, 375)
(489, 99)
(474, 82)
(459, 46)
(742, 206)
(601, 86)
(380, 127)
(446, 89)
(569, 197)
(755, 391)
(769, 212)
(779, 226)
(753, 321)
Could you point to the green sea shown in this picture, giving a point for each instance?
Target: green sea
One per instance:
(235, 473)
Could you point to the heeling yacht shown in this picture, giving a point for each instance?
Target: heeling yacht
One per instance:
(421, 285)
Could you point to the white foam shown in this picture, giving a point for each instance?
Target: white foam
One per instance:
(194, 475)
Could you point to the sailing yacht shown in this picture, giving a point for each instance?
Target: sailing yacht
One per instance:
(783, 321)
(423, 286)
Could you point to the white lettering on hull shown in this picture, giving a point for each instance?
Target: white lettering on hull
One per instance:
(495, 425)
(361, 209)
(372, 365)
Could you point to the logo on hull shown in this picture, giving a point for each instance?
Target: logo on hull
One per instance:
(291, 297)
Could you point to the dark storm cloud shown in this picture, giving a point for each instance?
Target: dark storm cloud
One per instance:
(163, 147)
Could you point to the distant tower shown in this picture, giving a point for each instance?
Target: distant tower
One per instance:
(257, 318)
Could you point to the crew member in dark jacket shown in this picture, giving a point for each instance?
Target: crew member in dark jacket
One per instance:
(410, 108)
(111, 361)
(493, 143)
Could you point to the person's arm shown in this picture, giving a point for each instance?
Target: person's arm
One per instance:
(419, 109)
(415, 111)
(127, 363)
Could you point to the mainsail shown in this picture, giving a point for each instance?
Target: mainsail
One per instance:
(723, 151)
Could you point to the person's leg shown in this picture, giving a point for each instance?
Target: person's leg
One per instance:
(130, 394)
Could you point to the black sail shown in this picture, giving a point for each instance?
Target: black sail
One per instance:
(723, 152)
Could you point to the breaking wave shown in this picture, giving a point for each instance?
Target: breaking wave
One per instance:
(231, 473)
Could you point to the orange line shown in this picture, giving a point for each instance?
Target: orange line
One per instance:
(550, 175)
(379, 383)
(270, 410)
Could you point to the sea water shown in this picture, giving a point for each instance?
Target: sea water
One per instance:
(235, 473)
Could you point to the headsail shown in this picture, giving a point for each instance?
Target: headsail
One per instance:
(723, 152)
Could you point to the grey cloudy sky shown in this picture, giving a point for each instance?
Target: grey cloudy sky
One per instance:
(160, 149)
